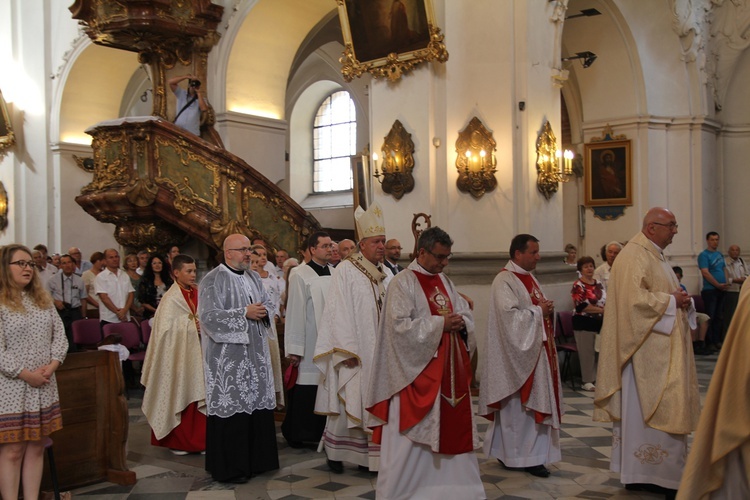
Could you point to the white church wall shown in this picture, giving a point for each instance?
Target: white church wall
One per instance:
(735, 157)
(436, 102)
(25, 58)
(77, 228)
(478, 83)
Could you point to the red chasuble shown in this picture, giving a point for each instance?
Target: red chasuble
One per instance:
(447, 376)
(549, 347)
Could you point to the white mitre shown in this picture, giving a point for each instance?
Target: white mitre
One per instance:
(369, 222)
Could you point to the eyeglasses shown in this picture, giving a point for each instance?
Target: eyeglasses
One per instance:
(241, 250)
(671, 225)
(393, 248)
(23, 263)
(440, 257)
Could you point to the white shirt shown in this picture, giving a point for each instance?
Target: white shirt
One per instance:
(117, 287)
(46, 273)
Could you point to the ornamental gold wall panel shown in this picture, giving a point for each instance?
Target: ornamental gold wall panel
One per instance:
(152, 180)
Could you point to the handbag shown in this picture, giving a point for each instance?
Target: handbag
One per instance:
(290, 376)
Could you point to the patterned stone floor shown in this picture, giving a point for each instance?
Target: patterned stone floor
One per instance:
(582, 473)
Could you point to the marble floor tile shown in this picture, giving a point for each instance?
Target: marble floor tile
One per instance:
(583, 471)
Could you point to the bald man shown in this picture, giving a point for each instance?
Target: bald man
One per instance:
(737, 272)
(233, 309)
(82, 265)
(646, 382)
(346, 248)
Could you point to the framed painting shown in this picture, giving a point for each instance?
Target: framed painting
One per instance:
(608, 174)
(388, 37)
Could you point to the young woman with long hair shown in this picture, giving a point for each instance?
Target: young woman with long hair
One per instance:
(32, 347)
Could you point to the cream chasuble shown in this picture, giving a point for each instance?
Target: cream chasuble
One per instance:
(719, 462)
(646, 381)
(173, 368)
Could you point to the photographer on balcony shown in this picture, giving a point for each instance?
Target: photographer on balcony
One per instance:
(190, 103)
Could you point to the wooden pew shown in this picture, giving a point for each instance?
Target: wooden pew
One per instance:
(91, 446)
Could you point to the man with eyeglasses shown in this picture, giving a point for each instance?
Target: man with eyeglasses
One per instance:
(233, 309)
(646, 383)
(308, 286)
(424, 338)
(346, 339)
(520, 390)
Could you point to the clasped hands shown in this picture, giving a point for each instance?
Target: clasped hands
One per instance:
(39, 377)
(681, 298)
(256, 311)
(453, 323)
(548, 306)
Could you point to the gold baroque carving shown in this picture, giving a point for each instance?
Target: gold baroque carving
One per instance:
(219, 231)
(3, 207)
(85, 163)
(186, 155)
(275, 203)
(108, 175)
(184, 196)
(475, 160)
(608, 134)
(143, 193)
(397, 162)
(147, 234)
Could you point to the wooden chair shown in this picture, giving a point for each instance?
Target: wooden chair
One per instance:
(565, 343)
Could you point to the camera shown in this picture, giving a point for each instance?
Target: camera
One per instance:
(194, 83)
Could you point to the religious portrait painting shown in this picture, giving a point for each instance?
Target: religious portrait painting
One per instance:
(608, 174)
(386, 37)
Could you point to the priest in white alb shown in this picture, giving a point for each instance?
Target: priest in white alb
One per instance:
(520, 387)
(308, 285)
(174, 401)
(420, 399)
(346, 342)
(646, 382)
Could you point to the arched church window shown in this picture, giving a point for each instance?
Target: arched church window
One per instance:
(334, 142)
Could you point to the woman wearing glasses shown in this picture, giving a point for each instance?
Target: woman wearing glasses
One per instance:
(32, 347)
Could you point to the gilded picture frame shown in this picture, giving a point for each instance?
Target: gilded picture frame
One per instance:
(608, 174)
(387, 38)
(7, 137)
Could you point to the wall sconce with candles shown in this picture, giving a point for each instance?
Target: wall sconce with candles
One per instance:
(552, 166)
(397, 162)
(476, 160)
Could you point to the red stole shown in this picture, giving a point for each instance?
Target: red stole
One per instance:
(446, 376)
(549, 347)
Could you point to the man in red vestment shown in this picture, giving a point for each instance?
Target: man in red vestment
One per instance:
(174, 402)
(520, 384)
(419, 393)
